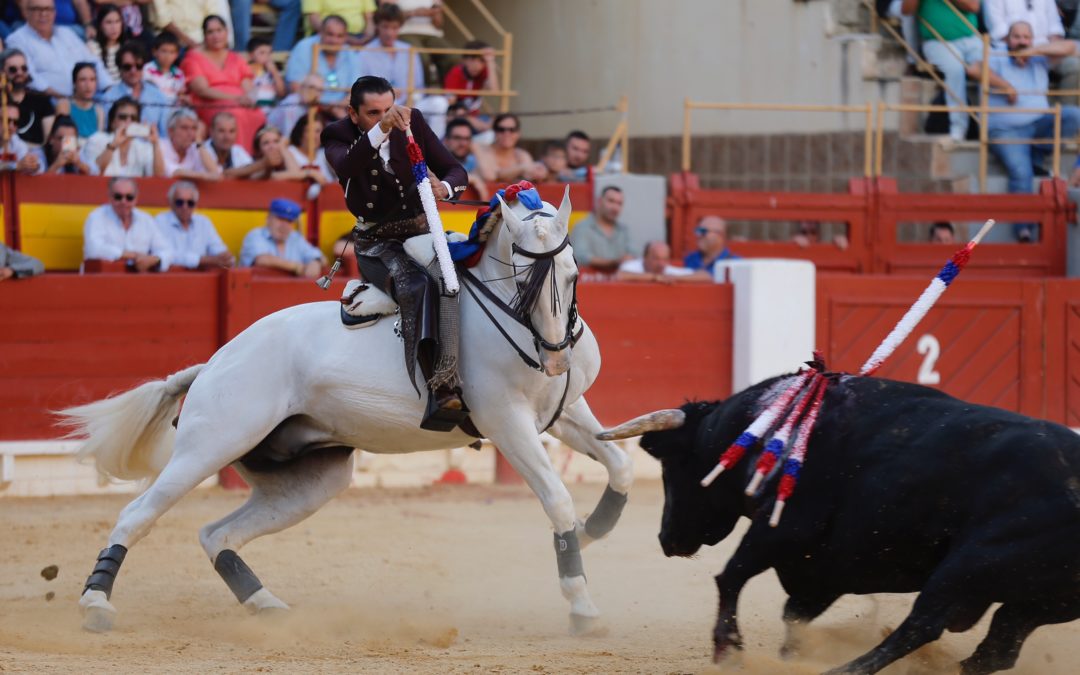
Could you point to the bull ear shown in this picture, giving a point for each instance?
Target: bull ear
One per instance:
(509, 218)
(563, 216)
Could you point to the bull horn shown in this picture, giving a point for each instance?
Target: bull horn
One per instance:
(659, 420)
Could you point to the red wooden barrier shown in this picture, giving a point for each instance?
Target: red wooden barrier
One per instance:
(1063, 351)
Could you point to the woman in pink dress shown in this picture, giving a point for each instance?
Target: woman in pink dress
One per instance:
(222, 80)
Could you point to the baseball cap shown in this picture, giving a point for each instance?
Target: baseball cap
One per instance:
(286, 209)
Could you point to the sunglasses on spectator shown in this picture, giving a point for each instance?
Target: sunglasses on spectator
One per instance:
(460, 138)
(17, 69)
(506, 130)
(702, 231)
(130, 66)
(122, 196)
(126, 117)
(41, 10)
(181, 203)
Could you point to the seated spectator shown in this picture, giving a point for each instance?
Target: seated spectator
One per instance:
(355, 16)
(285, 28)
(1027, 71)
(235, 162)
(578, 148)
(182, 155)
(155, 107)
(459, 141)
(273, 159)
(186, 19)
(599, 240)
(1046, 26)
(959, 46)
(809, 232)
(552, 166)
(503, 161)
(218, 77)
(942, 233)
(52, 51)
(304, 144)
(16, 265)
(117, 152)
(711, 233)
(278, 245)
(267, 83)
(288, 112)
(338, 69)
(36, 110)
(476, 72)
(60, 154)
(109, 33)
(15, 155)
(88, 115)
(119, 231)
(655, 265)
(194, 242)
(394, 67)
(163, 72)
(423, 27)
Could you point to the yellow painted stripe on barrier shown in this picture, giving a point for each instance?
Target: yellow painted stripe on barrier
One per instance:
(53, 233)
(334, 224)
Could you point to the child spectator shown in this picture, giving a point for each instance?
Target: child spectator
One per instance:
(110, 34)
(303, 145)
(476, 72)
(60, 154)
(162, 70)
(552, 167)
(88, 116)
(267, 84)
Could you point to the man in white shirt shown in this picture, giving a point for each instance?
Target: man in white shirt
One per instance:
(119, 231)
(655, 265)
(234, 160)
(183, 157)
(52, 51)
(192, 238)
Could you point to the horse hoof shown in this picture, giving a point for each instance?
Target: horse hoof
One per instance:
(98, 612)
(265, 603)
(587, 626)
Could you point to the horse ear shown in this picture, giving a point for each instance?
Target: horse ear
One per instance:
(563, 217)
(508, 216)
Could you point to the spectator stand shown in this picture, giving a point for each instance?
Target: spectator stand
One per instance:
(49, 211)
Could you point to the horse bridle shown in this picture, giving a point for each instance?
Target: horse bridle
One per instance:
(539, 342)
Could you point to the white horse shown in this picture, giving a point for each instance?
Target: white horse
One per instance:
(287, 400)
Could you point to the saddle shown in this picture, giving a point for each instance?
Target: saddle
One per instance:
(363, 305)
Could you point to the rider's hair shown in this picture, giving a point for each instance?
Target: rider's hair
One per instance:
(368, 84)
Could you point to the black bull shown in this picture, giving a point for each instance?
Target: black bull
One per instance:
(904, 489)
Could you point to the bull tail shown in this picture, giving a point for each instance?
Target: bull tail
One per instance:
(130, 436)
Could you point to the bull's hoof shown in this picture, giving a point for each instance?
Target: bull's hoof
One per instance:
(98, 612)
(587, 626)
(728, 650)
(265, 603)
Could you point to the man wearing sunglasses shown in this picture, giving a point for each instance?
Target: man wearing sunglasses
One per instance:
(36, 111)
(194, 242)
(52, 51)
(130, 59)
(119, 231)
(368, 152)
(711, 233)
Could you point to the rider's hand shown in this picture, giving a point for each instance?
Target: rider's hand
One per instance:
(397, 117)
(438, 188)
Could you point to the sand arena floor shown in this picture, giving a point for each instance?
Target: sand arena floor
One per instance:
(447, 580)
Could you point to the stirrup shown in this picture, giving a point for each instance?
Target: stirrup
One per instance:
(442, 419)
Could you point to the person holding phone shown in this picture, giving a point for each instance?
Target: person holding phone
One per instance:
(60, 154)
(129, 147)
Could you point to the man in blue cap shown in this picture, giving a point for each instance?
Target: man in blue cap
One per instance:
(368, 150)
(278, 245)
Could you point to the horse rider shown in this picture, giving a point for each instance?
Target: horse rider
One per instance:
(368, 152)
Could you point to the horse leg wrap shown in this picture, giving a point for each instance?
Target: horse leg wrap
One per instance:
(568, 554)
(104, 574)
(237, 575)
(603, 519)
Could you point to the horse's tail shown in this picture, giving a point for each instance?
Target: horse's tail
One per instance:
(130, 435)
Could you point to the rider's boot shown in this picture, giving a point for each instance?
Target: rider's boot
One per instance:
(445, 409)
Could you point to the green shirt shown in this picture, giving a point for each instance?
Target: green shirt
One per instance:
(589, 241)
(938, 14)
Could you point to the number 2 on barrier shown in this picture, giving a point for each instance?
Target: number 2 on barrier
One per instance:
(930, 348)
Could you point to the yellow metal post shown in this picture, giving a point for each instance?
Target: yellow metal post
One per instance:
(1057, 141)
(686, 136)
(508, 45)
